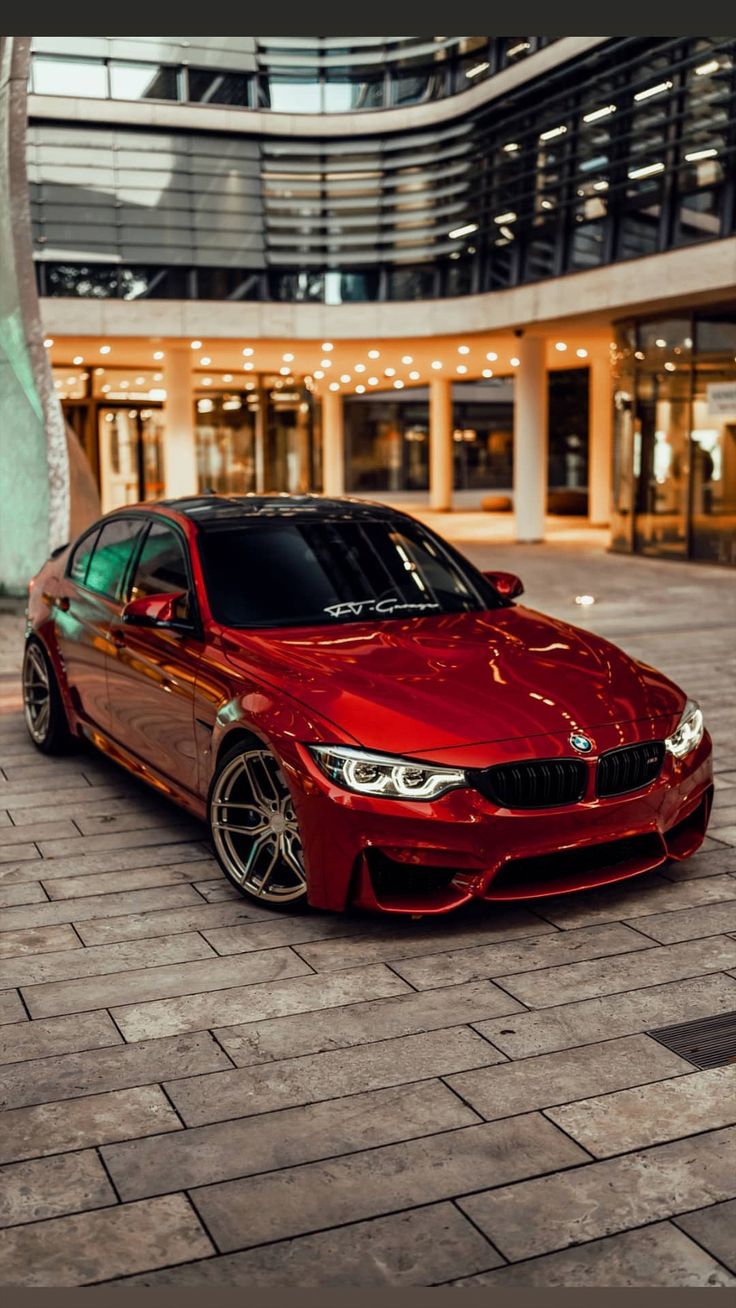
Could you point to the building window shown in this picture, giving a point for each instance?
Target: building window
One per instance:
(77, 77)
(142, 82)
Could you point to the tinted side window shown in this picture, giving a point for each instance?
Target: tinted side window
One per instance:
(81, 556)
(108, 564)
(162, 566)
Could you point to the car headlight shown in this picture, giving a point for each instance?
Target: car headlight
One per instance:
(380, 774)
(689, 732)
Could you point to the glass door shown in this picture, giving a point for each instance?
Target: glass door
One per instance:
(131, 463)
(661, 463)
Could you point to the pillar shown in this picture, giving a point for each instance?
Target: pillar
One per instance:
(600, 438)
(440, 444)
(180, 460)
(530, 439)
(333, 444)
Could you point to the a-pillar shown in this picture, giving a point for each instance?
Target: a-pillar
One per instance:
(530, 439)
(333, 444)
(179, 453)
(440, 444)
(600, 437)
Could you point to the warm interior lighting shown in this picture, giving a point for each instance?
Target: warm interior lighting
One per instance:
(360, 389)
(553, 132)
(653, 90)
(463, 349)
(327, 346)
(49, 342)
(345, 377)
(389, 372)
(374, 354)
(436, 364)
(461, 368)
(284, 371)
(77, 359)
(288, 358)
(487, 372)
(648, 170)
(711, 66)
(477, 70)
(695, 155)
(512, 147)
(319, 374)
(514, 362)
(595, 114)
(227, 376)
(561, 346)
(247, 367)
(359, 367)
(248, 351)
(509, 217)
(406, 358)
(104, 349)
(196, 345)
(414, 376)
(491, 356)
(582, 354)
(399, 384)
(372, 381)
(205, 360)
(457, 232)
(334, 386)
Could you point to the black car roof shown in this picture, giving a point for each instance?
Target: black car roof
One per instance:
(220, 510)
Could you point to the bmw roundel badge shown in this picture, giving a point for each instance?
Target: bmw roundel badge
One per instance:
(581, 743)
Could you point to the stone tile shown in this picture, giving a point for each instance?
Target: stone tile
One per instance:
(300, 929)
(355, 1024)
(715, 1229)
(161, 817)
(562, 985)
(102, 883)
(11, 1009)
(98, 1246)
(421, 1247)
(727, 835)
(251, 1145)
(270, 1086)
(17, 854)
(113, 860)
(602, 1198)
(119, 1067)
(38, 940)
(634, 900)
(22, 795)
(79, 1123)
(616, 1015)
(723, 815)
(85, 801)
(101, 960)
(48, 1187)
(162, 982)
(218, 890)
(388, 942)
(701, 865)
(140, 925)
(58, 1035)
(48, 774)
(39, 786)
(655, 1256)
(447, 969)
(294, 1201)
(255, 1002)
(566, 1075)
(650, 1114)
(72, 845)
(691, 923)
(36, 831)
(77, 910)
(31, 892)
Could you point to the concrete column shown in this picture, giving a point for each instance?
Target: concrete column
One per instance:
(600, 439)
(440, 444)
(530, 439)
(261, 437)
(333, 444)
(180, 461)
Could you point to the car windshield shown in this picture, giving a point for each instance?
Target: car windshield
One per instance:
(327, 571)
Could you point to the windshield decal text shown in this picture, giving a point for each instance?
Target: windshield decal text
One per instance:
(389, 605)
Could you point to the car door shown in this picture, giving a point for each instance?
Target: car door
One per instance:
(87, 602)
(151, 671)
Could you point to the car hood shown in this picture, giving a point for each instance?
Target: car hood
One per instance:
(433, 683)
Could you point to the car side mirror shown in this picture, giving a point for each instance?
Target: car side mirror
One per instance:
(168, 610)
(507, 584)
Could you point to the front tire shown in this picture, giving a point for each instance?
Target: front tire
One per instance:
(254, 828)
(43, 708)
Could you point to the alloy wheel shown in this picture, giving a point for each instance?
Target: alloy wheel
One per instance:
(36, 694)
(255, 830)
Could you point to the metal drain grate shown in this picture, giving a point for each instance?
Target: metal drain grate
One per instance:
(706, 1042)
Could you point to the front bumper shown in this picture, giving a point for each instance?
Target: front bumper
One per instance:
(403, 857)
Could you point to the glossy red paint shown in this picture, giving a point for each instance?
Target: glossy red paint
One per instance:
(467, 690)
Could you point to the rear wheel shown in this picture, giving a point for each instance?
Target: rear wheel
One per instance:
(254, 828)
(43, 708)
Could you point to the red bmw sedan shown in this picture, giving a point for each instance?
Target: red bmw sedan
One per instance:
(360, 715)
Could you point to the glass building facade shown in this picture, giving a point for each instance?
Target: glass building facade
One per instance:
(675, 448)
(620, 153)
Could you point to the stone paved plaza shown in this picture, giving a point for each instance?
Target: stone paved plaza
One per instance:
(199, 1092)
